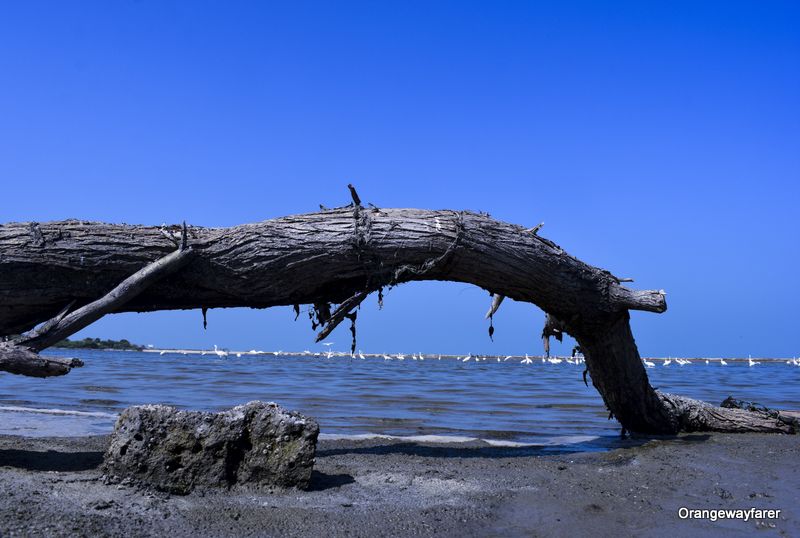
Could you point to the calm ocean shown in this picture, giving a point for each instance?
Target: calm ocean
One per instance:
(507, 402)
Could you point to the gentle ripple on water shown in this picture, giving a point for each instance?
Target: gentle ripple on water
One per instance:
(504, 401)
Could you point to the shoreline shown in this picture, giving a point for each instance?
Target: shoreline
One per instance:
(556, 359)
(380, 487)
(432, 356)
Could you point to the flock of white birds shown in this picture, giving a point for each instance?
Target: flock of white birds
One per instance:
(794, 361)
(578, 359)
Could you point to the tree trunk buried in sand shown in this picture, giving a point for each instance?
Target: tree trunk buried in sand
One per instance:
(337, 256)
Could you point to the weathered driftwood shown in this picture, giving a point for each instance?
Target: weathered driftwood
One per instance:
(339, 256)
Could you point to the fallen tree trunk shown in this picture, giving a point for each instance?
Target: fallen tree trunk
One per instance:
(338, 257)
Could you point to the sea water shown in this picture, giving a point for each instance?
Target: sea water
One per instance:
(504, 403)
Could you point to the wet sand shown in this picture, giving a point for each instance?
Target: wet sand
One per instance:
(53, 487)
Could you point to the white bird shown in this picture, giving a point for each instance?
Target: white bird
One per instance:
(649, 364)
(526, 360)
(751, 362)
(667, 362)
(707, 361)
(723, 362)
(386, 357)
(162, 352)
(465, 359)
(219, 352)
(361, 355)
(504, 360)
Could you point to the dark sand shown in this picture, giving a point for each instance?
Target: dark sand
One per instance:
(52, 487)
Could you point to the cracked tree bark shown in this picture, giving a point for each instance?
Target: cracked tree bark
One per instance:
(339, 256)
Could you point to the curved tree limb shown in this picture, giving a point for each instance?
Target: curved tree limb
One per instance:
(300, 259)
(336, 255)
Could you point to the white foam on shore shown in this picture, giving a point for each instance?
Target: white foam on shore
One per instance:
(39, 422)
(96, 414)
(456, 439)
(412, 438)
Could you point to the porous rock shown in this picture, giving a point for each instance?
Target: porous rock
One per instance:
(256, 444)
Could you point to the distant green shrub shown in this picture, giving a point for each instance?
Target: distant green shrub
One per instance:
(96, 343)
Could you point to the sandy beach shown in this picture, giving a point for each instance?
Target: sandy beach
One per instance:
(53, 487)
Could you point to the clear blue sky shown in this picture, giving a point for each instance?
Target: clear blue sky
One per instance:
(660, 140)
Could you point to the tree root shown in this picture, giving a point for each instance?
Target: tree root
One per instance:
(696, 416)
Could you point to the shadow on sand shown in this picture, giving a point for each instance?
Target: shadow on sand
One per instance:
(50, 460)
(53, 460)
(322, 481)
(70, 461)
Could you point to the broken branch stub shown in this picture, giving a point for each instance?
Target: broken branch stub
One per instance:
(497, 299)
(340, 313)
(20, 360)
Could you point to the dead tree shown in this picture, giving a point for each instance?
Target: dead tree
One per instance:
(57, 277)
